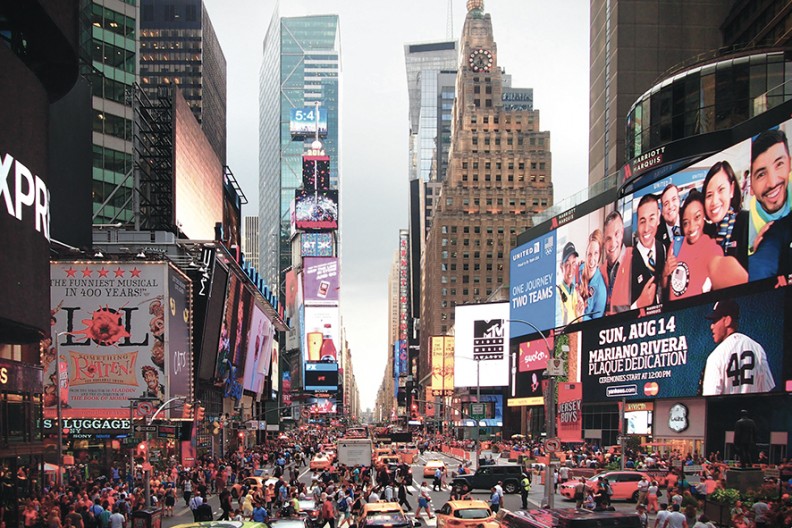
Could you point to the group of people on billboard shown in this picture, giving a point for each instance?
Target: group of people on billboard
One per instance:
(722, 222)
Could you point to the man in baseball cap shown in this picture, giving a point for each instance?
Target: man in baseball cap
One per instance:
(738, 365)
(567, 294)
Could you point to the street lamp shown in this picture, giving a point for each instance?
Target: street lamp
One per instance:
(550, 398)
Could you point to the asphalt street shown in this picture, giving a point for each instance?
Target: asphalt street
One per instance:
(182, 513)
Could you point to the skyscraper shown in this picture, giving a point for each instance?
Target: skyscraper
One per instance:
(499, 173)
(631, 45)
(178, 45)
(250, 240)
(301, 65)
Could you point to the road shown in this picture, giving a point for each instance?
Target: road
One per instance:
(182, 513)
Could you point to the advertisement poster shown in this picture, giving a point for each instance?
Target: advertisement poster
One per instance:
(112, 333)
(257, 341)
(305, 122)
(442, 354)
(569, 414)
(321, 377)
(320, 280)
(322, 334)
(482, 332)
(402, 305)
(532, 279)
(286, 399)
(316, 173)
(493, 410)
(322, 405)
(687, 352)
(234, 333)
(179, 350)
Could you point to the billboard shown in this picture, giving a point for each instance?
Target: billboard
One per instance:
(321, 333)
(725, 345)
(305, 122)
(180, 371)
(316, 245)
(259, 351)
(316, 173)
(234, 335)
(569, 413)
(442, 354)
(115, 338)
(322, 405)
(493, 410)
(683, 230)
(198, 175)
(482, 336)
(320, 280)
(209, 299)
(315, 211)
(321, 376)
(404, 264)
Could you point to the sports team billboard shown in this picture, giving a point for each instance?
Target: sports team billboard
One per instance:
(481, 332)
(320, 280)
(315, 210)
(697, 225)
(725, 345)
(116, 341)
(305, 122)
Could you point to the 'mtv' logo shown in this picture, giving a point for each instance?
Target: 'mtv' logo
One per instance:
(489, 338)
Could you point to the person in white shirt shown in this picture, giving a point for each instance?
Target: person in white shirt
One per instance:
(675, 519)
(117, 519)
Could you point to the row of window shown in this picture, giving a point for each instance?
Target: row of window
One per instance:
(446, 292)
(513, 202)
(509, 178)
(111, 160)
(477, 229)
(466, 267)
(106, 88)
(466, 242)
(499, 165)
(112, 125)
(112, 21)
(114, 56)
(466, 255)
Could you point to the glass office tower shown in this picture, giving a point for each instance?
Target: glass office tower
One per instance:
(301, 65)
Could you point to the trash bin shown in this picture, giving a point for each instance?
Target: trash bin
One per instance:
(150, 518)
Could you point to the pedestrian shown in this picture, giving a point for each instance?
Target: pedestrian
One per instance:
(195, 502)
(580, 493)
(436, 483)
(328, 511)
(225, 505)
(402, 493)
(643, 489)
(652, 494)
(495, 500)
(643, 517)
(187, 490)
(259, 513)
(424, 498)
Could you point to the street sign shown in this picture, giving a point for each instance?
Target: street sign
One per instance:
(552, 445)
(145, 428)
(555, 367)
(477, 411)
(166, 431)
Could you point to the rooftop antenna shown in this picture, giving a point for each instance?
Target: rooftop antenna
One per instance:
(450, 20)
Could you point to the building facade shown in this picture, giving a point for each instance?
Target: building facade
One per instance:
(499, 173)
(301, 66)
(250, 241)
(178, 45)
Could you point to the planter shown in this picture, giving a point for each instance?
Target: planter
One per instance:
(718, 512)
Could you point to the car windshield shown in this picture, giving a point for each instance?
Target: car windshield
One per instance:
(380, 518)
(307, 505)
(472, 513)
(287, 523)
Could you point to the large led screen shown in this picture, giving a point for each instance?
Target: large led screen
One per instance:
(316, 245)
(321, 376)
(320, 280)
(316, 173)
(726, 345)
(322, 333)
(234, 335)
(315, 211)
(259, 350)
(305, 122)
(482, 340)
(718, 222)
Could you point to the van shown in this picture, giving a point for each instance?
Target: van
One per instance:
(566, 518)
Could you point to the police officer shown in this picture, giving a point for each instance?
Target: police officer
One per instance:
(525, 487)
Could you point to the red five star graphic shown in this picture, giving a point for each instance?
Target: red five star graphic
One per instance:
(70, 272)
(103, 272)
(135, 272)
(86, 272)
(119, 272)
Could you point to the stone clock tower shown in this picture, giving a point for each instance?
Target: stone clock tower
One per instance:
(499, 176)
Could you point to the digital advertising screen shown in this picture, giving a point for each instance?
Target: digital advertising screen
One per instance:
(322, 333)
(322, 405)
(482, 339)
(210, 283)
(305, 122)
(638, 422)
(180, 371)
(316, 173)
(697, 225)
(315, 210)
(259, 350)
(320, 280)
(726, 345)
(493, 410)
(321, 376)
(443, 364)
(316, 245)
(569, 412)
(234, 334)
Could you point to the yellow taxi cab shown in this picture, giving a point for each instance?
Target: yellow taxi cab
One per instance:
(431, 466)
(383, 515)
(380, 451)
(320, 461)
(388, 461)
(466, 514)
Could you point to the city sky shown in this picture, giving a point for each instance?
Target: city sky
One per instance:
(542, 45)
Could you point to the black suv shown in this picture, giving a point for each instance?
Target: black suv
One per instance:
(487, 476)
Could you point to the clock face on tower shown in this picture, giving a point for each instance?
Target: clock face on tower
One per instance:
(480, 60)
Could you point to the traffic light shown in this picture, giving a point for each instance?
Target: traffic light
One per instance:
(414, 411)
(141, 449)
(199, 413)
(218, 426)
(187, 410)
(241, 435)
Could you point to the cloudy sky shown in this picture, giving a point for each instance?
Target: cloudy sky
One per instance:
(543, 45)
